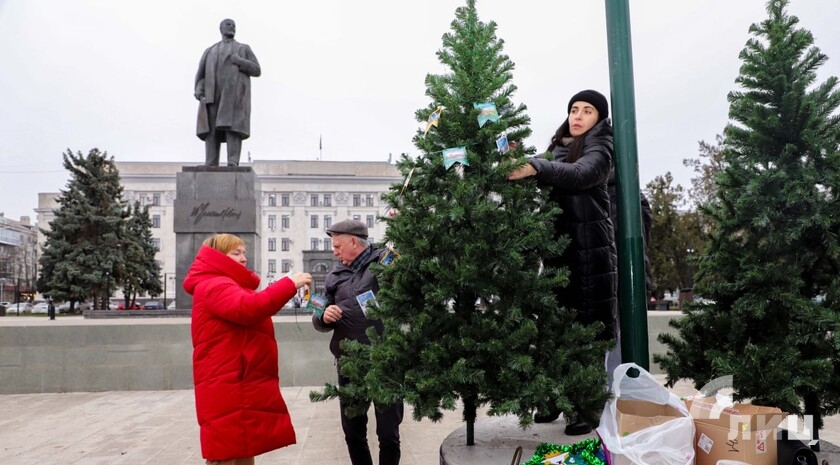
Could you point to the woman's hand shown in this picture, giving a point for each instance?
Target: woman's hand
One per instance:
(302, 279)
(522, 172)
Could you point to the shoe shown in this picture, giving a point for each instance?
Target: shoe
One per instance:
(547, 417)
(577, 427)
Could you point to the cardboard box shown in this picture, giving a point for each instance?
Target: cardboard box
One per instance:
(636, 415)
(742, 432)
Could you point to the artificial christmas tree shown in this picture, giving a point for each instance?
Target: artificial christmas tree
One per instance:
(467, 305)
(770, 278)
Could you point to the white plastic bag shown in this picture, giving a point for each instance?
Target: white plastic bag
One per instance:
(669, 443)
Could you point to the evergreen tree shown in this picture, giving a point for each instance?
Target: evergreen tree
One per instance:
(676, 235)
(141, 273)
(467, 307)
(774, 251)
(83, 248)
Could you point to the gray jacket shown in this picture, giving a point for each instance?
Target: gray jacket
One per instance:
(341, 288)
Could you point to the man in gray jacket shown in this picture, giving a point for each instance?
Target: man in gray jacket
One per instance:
(348, 288)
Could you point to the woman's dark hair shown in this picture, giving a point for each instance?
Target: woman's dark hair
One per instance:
(575, 149)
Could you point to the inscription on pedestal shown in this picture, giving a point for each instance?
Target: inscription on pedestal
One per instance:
(215, 215)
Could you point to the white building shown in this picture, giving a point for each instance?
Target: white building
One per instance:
(18, 258)
(299, 200)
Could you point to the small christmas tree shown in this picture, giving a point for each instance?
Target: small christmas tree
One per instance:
(772, 273)
(467, 306)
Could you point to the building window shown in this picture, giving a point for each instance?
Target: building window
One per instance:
(284, 244)
(284, 200)
(284, 222)
(156, 243)
(272, 244)
(357, 200)
(313, 221)
(286, 266)
(272, 265)
(357, 217)
(369, 221)
(272, 222)
(156, 199)
(327, 200)
(327, 221)
(313, 244)
(313, 200)
(156, 221)
(328, 244)
(369, 200)
(272, 200)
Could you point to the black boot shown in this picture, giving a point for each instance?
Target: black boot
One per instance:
(577, 427)
(548, 416)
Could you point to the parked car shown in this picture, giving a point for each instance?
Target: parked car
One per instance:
(41, 307)
(171, 306)
(22, 307)
(135, 306)
(153, 305)
(78, 308)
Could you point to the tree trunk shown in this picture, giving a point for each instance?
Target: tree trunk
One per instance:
(469, 417)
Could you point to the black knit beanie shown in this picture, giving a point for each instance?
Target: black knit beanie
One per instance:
(594, 98)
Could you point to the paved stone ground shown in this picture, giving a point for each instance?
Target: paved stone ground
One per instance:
(159, 427)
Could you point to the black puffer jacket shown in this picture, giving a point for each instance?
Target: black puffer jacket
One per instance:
(580, 188)
(341, 288)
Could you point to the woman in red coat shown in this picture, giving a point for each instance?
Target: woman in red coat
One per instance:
(237, 388)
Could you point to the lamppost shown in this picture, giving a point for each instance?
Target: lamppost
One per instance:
(166, 278)
(107, 290)
(2, 288)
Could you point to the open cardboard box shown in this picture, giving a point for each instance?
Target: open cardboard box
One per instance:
(637, 415)
(742, 432)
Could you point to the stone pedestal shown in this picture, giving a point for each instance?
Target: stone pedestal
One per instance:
(209, 200)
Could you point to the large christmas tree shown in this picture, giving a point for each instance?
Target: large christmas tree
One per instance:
(467, 305)
(82, 252)
(772, 274)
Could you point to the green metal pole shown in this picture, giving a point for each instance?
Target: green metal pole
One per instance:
(630, 242)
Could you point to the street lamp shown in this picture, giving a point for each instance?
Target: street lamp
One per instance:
(165, 281)
(107, 290)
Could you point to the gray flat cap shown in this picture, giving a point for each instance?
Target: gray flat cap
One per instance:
(352, 227)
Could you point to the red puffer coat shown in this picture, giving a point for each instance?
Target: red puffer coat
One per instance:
(237, 388)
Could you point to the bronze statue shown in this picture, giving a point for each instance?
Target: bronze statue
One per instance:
(223, 89)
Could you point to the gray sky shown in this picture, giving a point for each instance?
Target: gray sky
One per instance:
(118, 75)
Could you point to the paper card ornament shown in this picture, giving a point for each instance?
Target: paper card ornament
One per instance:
(455, 155)
(502, 144)
(407, 179)
(389, 256)
(366, 300)
(486, 112)
(317, 303)
(433, 119)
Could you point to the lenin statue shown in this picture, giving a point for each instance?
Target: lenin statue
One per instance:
(223, 89)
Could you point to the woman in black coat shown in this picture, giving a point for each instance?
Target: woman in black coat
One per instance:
(576, 171)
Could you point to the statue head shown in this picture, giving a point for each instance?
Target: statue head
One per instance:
(228, 28)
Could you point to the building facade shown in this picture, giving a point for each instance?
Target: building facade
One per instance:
(18, 259)
(299, 201)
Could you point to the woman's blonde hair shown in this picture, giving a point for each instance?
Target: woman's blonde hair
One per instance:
(224, 243)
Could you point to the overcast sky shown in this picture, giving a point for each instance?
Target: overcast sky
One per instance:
(118, 75)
